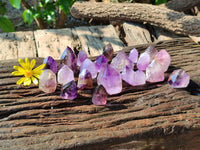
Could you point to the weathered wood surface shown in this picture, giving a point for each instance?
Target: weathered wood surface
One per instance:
(168, 19)
(136, 34)
(17, 45)
(157, 113)
(94, 38)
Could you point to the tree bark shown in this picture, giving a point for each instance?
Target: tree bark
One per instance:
(61, 20)
(181, 5)
(168, 19)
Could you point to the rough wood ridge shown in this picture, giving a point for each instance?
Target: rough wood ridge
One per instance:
(31, 119)
(174, 21)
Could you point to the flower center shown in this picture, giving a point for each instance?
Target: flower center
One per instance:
(28, 73)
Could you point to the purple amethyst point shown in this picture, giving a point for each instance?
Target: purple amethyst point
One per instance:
(69, 91)
(108, 51)
(50, 64)
(81, 57)
(133, 55)
(179, 79)
(85, 80)
(100, 62)
(99, 96)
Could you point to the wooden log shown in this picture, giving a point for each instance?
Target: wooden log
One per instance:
(181, 5)
(174, 21)
(150, 116)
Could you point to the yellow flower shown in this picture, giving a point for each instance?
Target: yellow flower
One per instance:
(26, 70)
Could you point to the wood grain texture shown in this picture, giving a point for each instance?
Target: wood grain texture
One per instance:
(168, 19)
(31, 119)
(136, 34)
(94, 38)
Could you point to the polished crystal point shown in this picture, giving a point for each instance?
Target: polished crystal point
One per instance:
(155, 72)
(65, 75)
(133, 78)
(90, 66)
(69, 91)
(163, 58)
(101, 60)
(108, 51)
(110, 79)
(152, 51)
(179, 79)
(69, 58)
(81, 57)
(121, 61)
(85, 80)
(133, 55)
(99, 96)
(47, 81)
(143, 61)
(50, 64)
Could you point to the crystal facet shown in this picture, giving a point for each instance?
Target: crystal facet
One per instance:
(90, 66)
(152, 51)
(65, 75)
(50, 64)
(110, 79)
(154, 72)
(108, 51)
(85, 80)
(179, 79)
(121, 61)
(133, 78)
(47, 81)
(81, 57)
(100, 62)
(163, 58)
(133, 55)
(69, 91)
(143, 61)
(69, 58)
(99, 96)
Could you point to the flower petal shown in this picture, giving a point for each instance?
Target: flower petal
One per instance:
(18, 68)
(27, 82)
(33, 61)
(20, 81)
(21, 62)
(36, 75)
(39, 67)
(27, 63)
(34, 80)
(17, 73)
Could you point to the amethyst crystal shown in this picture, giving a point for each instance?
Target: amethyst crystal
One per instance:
(99, 96)
(121, 61)
(65, 75)
(133, 78)
(90, 66)
(81, 57)
(110, 79)
(69, 58)
(179, 79)
(108, 51)
(152, 51)
(47, 82)
(50, 64)
(85, 80)
(133, 55)
(154, 72)
(143, 61)
(100, 62)
(163, 58)
(69, 91)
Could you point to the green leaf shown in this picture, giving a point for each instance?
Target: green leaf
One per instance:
(2, 8)
(158, 2)
(6, 25)
(65, 5)
(28, 16)
(15, 3)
